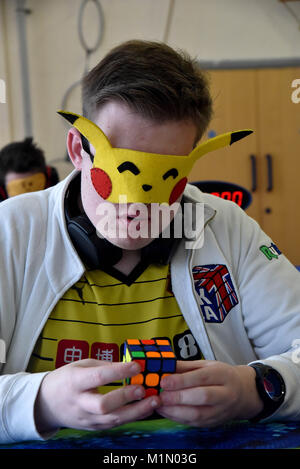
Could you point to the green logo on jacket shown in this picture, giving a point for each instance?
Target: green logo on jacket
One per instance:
(271, 252)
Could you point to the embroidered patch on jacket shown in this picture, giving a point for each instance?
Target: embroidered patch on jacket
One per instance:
(216, 291)
(271, 252)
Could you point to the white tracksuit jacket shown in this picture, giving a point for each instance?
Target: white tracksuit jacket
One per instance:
(38, 263)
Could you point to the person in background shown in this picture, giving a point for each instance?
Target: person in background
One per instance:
(23, 169)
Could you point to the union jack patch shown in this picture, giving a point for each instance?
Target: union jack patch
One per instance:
(216, 291)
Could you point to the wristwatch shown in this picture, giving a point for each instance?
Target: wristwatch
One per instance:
(271, 389)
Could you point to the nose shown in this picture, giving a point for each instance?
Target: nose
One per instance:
(146, 187)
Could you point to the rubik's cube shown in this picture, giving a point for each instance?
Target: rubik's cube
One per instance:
(156, 359)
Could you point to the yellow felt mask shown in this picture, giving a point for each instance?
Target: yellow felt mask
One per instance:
(36, 182)
(140, 176)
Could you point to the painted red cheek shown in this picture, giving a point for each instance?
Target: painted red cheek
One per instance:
(101, 182)
(177, 190)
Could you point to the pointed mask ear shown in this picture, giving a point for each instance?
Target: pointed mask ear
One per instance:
(219, 142)
(87, 128)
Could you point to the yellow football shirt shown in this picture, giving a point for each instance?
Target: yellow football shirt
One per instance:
(97, 314)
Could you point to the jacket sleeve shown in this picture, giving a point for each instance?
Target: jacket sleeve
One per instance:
(17, 397)
(269, 287)
(18, 390)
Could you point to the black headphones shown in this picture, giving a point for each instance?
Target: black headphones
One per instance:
(96, 252)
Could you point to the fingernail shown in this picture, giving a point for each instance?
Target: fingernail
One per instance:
(135, 367)
(154, 403)
(139, 393)
(166, 383)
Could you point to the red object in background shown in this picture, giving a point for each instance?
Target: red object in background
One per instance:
(235, 196)
(226, 190)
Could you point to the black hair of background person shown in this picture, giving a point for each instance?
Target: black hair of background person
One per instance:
(21, 157)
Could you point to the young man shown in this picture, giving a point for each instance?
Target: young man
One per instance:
(23, 169)
(70, 295)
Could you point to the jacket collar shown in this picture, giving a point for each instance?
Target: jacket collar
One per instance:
(197, 212)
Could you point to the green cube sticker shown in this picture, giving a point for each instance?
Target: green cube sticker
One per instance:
(137, 354)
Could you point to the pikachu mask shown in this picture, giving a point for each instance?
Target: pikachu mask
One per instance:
(35, 182)
(142, 177)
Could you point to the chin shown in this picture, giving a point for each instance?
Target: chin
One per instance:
(130, 244)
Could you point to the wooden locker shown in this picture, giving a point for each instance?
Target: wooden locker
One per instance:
(260, 99)
(234, 96)
(279, 148)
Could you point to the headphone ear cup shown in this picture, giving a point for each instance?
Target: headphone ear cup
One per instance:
(81, 234)
(93, 250)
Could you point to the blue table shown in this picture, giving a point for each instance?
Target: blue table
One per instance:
(164, 434)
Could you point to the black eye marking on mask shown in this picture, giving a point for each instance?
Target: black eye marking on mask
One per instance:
(172, 172)
(128, 166)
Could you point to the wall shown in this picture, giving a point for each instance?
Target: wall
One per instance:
(236, 29)
(208, 29)
(5, 111)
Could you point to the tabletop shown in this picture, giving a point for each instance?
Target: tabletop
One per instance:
(168, 435)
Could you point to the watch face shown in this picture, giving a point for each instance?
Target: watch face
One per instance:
(273, 385)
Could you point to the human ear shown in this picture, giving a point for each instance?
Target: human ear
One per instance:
(74, 146)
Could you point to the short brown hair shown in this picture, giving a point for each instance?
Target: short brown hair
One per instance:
(154, 80)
